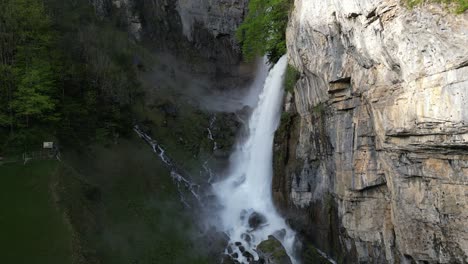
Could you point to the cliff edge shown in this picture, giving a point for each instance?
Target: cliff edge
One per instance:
(372, 154)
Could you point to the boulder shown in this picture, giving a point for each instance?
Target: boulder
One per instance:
(256, 220)
(271, 251)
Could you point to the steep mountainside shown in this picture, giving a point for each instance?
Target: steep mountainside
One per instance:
(123, 201)
(372, 153)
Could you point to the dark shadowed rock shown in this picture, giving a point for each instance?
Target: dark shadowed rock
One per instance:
(229, 249)
(228, 260)
(246, 237)
(242, 249)
(256, 220)
(248, 256)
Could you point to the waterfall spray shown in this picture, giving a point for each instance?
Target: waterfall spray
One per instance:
(248, 214)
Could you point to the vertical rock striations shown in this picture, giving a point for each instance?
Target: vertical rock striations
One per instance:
(372, 154)
(208, 25)
(195, 30)
(219, 18)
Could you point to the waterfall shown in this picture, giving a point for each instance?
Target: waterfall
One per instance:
(248, 215)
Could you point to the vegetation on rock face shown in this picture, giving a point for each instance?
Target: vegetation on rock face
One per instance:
(64, 73)
(312, 255)
(319, 108)
(263, 31)
(273, 251)
(292, 76)
(460, 5)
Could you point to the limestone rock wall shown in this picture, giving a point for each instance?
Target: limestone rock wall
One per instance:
(220, 17)
(180, 25)
(208, 26)
(211, 25)
(372, 156)
(192, 42)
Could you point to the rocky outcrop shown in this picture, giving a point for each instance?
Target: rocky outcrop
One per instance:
(372, 155)
(271, 251)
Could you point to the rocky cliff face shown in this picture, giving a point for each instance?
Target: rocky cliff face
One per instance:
(192, 44)
(197, 31)
(220, 18)
(372, 153)
(208, 25)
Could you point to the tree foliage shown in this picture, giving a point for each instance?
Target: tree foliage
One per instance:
(64, 73)
(263, 31)
(31, 99)
(291, 78)
(27, 78)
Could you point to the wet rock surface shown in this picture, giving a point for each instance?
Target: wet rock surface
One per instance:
(272, 252)
(256, 220)
(371, 159)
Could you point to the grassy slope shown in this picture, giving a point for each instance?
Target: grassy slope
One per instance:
(32, 230)
(125, 208)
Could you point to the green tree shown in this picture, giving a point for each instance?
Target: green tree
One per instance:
(60, 62)
(32, 99)
(263, 31)
(27, 77)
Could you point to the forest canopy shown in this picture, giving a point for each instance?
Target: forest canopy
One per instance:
(64, 74)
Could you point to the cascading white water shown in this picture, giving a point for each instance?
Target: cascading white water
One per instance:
(246, 193)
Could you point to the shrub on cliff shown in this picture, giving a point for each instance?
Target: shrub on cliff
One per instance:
(459, 5)
(263, 31)
(292, 76)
